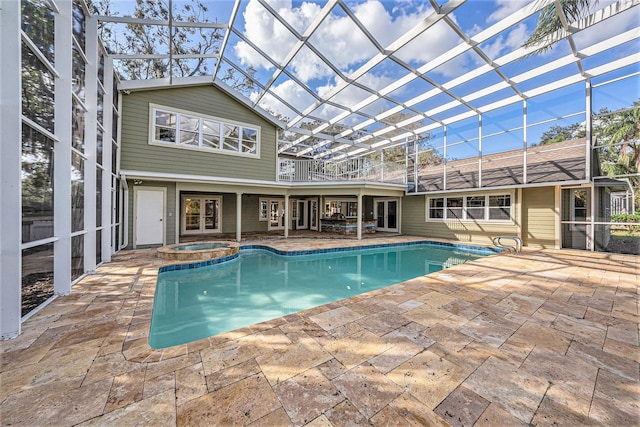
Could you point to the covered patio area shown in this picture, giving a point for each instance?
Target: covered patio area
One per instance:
(546, 337)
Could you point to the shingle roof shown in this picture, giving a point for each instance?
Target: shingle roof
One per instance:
(562, 161)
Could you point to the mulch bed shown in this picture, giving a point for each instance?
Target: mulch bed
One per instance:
(36, 289)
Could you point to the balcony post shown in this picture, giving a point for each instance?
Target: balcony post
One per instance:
(286, 216)
(238, 216)
(359, 228)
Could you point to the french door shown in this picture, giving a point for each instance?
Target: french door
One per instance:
(201, 215)
(276, 214)
(299, 214)
(313, 214)
(386, 214)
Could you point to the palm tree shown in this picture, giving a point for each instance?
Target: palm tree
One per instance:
(620, 131)
(618, 135)
(549, 22)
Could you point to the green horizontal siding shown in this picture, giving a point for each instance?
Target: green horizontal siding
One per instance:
(250, 214)
(137, 154)
(539, 217)
(413, 223)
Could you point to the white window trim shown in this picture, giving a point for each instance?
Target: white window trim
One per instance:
(464, 219)
(152, 125)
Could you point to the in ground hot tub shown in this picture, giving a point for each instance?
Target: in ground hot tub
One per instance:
(198, 251)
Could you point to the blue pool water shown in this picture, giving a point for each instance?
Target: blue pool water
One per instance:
(258, 285)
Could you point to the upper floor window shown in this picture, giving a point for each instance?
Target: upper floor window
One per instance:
(487, 207)
(190, 130)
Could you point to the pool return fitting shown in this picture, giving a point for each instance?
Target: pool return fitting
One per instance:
(515, 248)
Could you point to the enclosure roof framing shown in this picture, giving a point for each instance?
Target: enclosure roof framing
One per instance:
(339, 107)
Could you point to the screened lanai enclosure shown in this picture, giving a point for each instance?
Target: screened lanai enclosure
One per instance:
(445, 98)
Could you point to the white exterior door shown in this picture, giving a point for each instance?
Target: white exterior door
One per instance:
(149, 216)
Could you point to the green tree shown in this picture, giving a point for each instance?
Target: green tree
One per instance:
(397, 153)
(156, 39)
(544, 36)
(620, 133)
(618, 142)
(558, 133)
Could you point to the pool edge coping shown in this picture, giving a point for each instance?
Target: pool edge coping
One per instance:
(206, 263)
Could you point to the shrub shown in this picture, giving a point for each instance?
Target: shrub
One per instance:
(630, 221)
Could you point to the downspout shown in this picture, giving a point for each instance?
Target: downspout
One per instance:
(125, 212)
(124, 223)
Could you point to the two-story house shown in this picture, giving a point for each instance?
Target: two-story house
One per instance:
(198, 162)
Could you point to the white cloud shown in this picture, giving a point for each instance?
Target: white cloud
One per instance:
(289, 91)
(506, 43)
(353, 95)
(608, 28)
(338, 38)
(506, 8)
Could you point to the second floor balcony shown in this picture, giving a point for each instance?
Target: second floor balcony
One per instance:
(349, 170)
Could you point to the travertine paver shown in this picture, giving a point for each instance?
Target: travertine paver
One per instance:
(429, 377)
(462, 407)
(239, 403)
(544, 338)
(308, 395)
(368, 389)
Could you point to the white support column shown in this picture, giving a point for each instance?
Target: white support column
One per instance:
(106, 159)
(591, 229)
(10, 172)
(415, 168)
(519, 213)
(589, 147)
(238, 217)
(524, 141)
(588, 130)
(90, 132)
(286, 216)
(558, 217)
(479, 150)
(62, 162)
(444, 161)
(359, 228)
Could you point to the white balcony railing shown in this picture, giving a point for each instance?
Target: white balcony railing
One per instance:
(306, 170)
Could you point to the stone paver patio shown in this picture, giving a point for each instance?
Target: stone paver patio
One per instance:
(544, 338)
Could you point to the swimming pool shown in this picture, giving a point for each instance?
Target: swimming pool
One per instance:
(194, 301)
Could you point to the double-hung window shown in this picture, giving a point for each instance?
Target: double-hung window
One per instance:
(195, 131)
(500, 207)
(491, 207)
